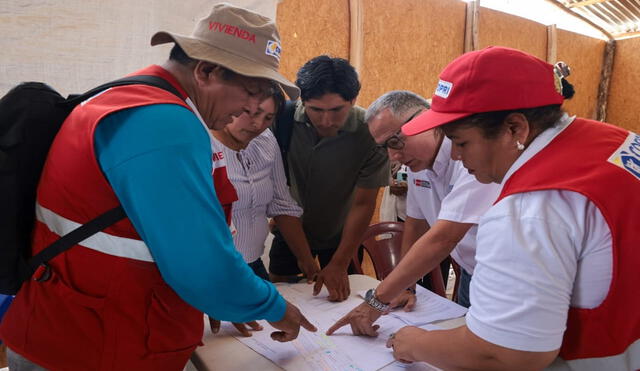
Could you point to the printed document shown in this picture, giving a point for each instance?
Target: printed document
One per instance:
(342, 350)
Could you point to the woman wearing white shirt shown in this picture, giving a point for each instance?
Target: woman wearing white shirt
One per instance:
(254, 166)
(556, 280)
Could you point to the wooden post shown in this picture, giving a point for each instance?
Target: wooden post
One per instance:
(605, 79)
(552, 44)
(356, 34)
(471, 26)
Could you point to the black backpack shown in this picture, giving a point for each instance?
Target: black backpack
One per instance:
(30, 116)
(282, 129)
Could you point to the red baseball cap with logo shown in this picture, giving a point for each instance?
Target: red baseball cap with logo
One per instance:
(491, 79)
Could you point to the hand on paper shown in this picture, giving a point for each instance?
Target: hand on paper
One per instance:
(361, 319)
(243, 328)
(403, 341)
(336, 280)
(310, 268)
(406, 300)
(289, 325)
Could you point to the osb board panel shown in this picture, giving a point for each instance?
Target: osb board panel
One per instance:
(501, 29)
(584, 56)
(407, 43)
(623, 107)
(309, 28)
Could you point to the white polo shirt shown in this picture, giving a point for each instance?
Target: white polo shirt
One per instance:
(449, 192)
(538, 254)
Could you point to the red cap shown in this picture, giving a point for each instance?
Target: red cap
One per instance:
(491, 79)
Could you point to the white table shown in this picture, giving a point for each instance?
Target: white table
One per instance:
(223, 352)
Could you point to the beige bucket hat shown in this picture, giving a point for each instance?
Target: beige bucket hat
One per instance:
(238, 39)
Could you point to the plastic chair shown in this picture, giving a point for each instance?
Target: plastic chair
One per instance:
(456, 270)
(383, 243)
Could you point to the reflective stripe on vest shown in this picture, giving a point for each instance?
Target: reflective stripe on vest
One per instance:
(105, 243)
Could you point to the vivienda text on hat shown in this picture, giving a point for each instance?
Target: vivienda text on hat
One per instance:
(235, 38)
(232, 30)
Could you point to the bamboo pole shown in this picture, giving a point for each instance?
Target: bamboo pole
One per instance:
(582, 18)
(471, 26)
(605, 79)
(356, 34)
(586, 3)
(552, 44)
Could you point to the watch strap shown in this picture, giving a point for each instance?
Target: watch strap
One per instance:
(375, 303)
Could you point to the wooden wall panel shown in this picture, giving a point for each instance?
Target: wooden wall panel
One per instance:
(584, 56)
(407, 43)
(623, 106)
(502, 29)
(309, 28)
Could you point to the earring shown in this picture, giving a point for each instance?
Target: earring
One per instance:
(459, 157)
(519, 145)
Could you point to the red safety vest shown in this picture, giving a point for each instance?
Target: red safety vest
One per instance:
(106, 306)
(601, 162)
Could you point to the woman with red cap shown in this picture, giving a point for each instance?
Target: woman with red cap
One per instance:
(556, 281)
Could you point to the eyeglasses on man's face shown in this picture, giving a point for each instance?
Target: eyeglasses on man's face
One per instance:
(396, 141)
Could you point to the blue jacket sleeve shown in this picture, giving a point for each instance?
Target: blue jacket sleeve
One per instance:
(158, 161)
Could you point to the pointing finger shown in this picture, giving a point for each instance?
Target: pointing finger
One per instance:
(341, 323)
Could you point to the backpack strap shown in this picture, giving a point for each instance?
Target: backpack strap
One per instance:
(73, 238)
(282, 130)
(150, 80)
(111, 216)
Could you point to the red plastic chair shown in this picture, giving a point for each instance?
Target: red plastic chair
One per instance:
(383, 243)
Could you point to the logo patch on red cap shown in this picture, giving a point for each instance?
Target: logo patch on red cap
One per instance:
(443, 89)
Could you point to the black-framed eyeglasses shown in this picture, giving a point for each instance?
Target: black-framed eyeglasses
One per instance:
(396, 141)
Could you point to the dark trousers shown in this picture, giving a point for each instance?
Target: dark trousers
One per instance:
(259, 269)
(444, 268)
(282, 262)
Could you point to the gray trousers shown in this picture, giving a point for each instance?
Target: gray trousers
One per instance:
(19, 363)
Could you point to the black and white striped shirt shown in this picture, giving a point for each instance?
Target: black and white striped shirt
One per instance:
(258, 176)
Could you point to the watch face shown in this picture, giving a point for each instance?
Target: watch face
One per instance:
(369, 295)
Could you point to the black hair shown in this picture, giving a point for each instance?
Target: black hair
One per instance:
(324, 75)
(490, 123)
(177, 54)
(278, 97)
(567, 89)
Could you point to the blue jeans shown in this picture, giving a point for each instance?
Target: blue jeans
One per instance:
(19, 363)
(462, 296)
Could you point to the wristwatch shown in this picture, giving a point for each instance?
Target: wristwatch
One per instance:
(371, 299)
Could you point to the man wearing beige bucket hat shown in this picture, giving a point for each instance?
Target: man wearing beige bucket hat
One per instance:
(131, 297)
